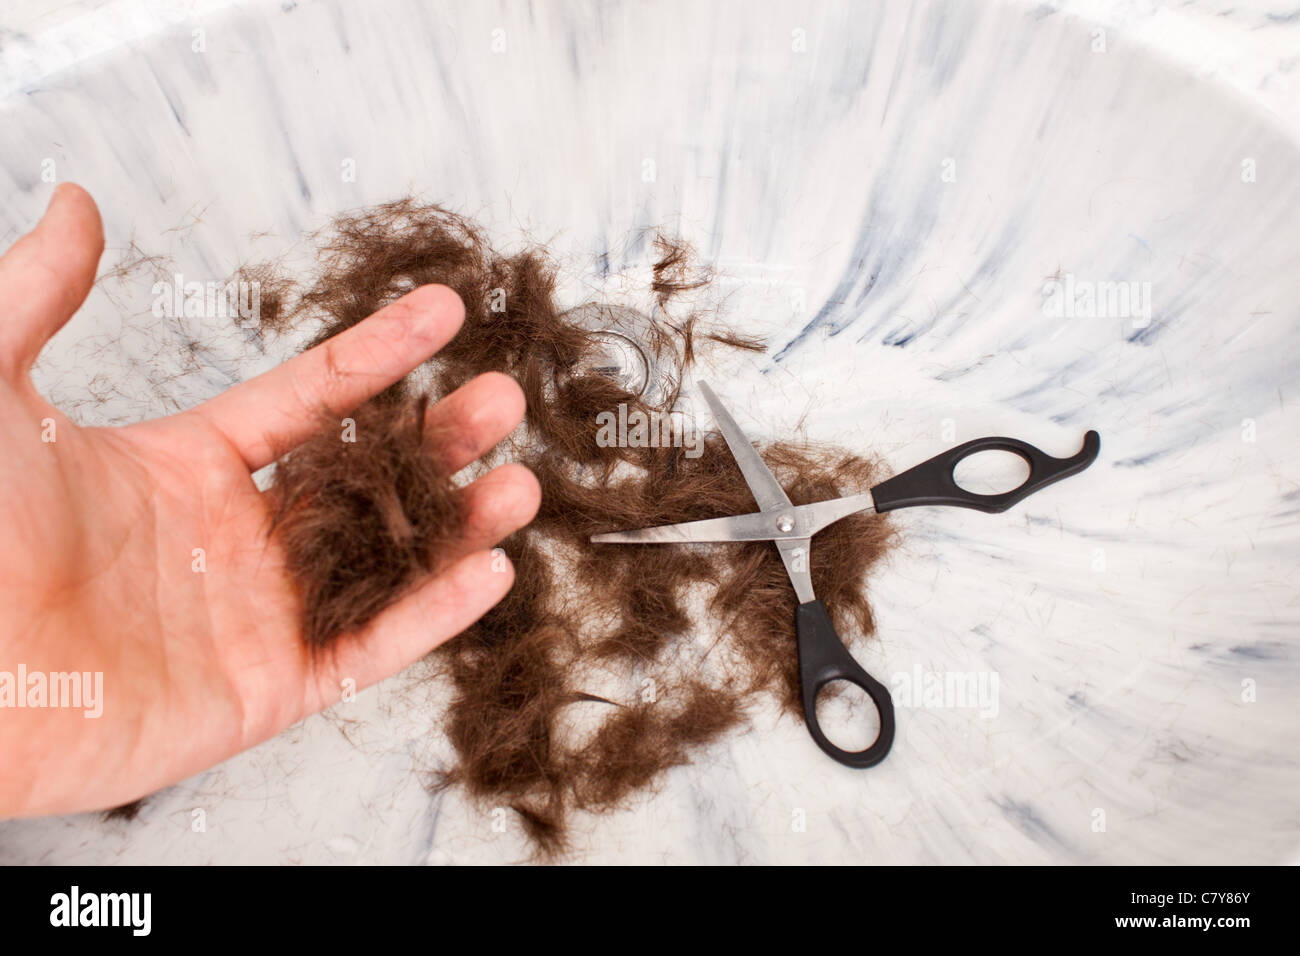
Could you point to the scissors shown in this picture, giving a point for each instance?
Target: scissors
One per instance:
(823, 658)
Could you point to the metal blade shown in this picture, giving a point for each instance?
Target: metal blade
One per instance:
(790, 528)
(796, 544)
(762, 483)
(752, 527)
(804, 522)
(795, 557)
(772, 500)
(813, 517)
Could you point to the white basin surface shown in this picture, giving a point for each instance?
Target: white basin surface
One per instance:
(950, 219)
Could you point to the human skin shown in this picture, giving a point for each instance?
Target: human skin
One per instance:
(99, 526)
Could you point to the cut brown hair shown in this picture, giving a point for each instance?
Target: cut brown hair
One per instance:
(605, 665)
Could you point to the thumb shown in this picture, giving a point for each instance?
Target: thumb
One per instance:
(46, 275)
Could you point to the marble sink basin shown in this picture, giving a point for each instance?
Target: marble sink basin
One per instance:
(950, 219)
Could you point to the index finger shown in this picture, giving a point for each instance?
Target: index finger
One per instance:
(265, 416)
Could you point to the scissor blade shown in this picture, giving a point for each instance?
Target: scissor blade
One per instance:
(789, 527)
(752, 527)
(767, 491)
(762, 483)
(804, 522)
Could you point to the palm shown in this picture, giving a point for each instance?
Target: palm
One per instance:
(142, 553)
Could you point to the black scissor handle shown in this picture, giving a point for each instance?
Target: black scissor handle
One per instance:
(931, 482)
(822, 659)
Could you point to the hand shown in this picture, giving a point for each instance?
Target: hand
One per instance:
(98, 528)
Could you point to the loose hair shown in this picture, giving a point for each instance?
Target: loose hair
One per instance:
(605, 665)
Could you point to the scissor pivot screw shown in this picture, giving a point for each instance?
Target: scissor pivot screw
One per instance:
(785, 524)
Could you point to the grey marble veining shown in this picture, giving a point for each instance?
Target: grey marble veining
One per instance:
(890, 193)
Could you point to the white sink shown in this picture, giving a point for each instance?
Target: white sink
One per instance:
(888, 191)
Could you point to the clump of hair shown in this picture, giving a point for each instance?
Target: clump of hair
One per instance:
(364, 510)
(605, 665)
(676, 270)
(127, 811)
(273, 308)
